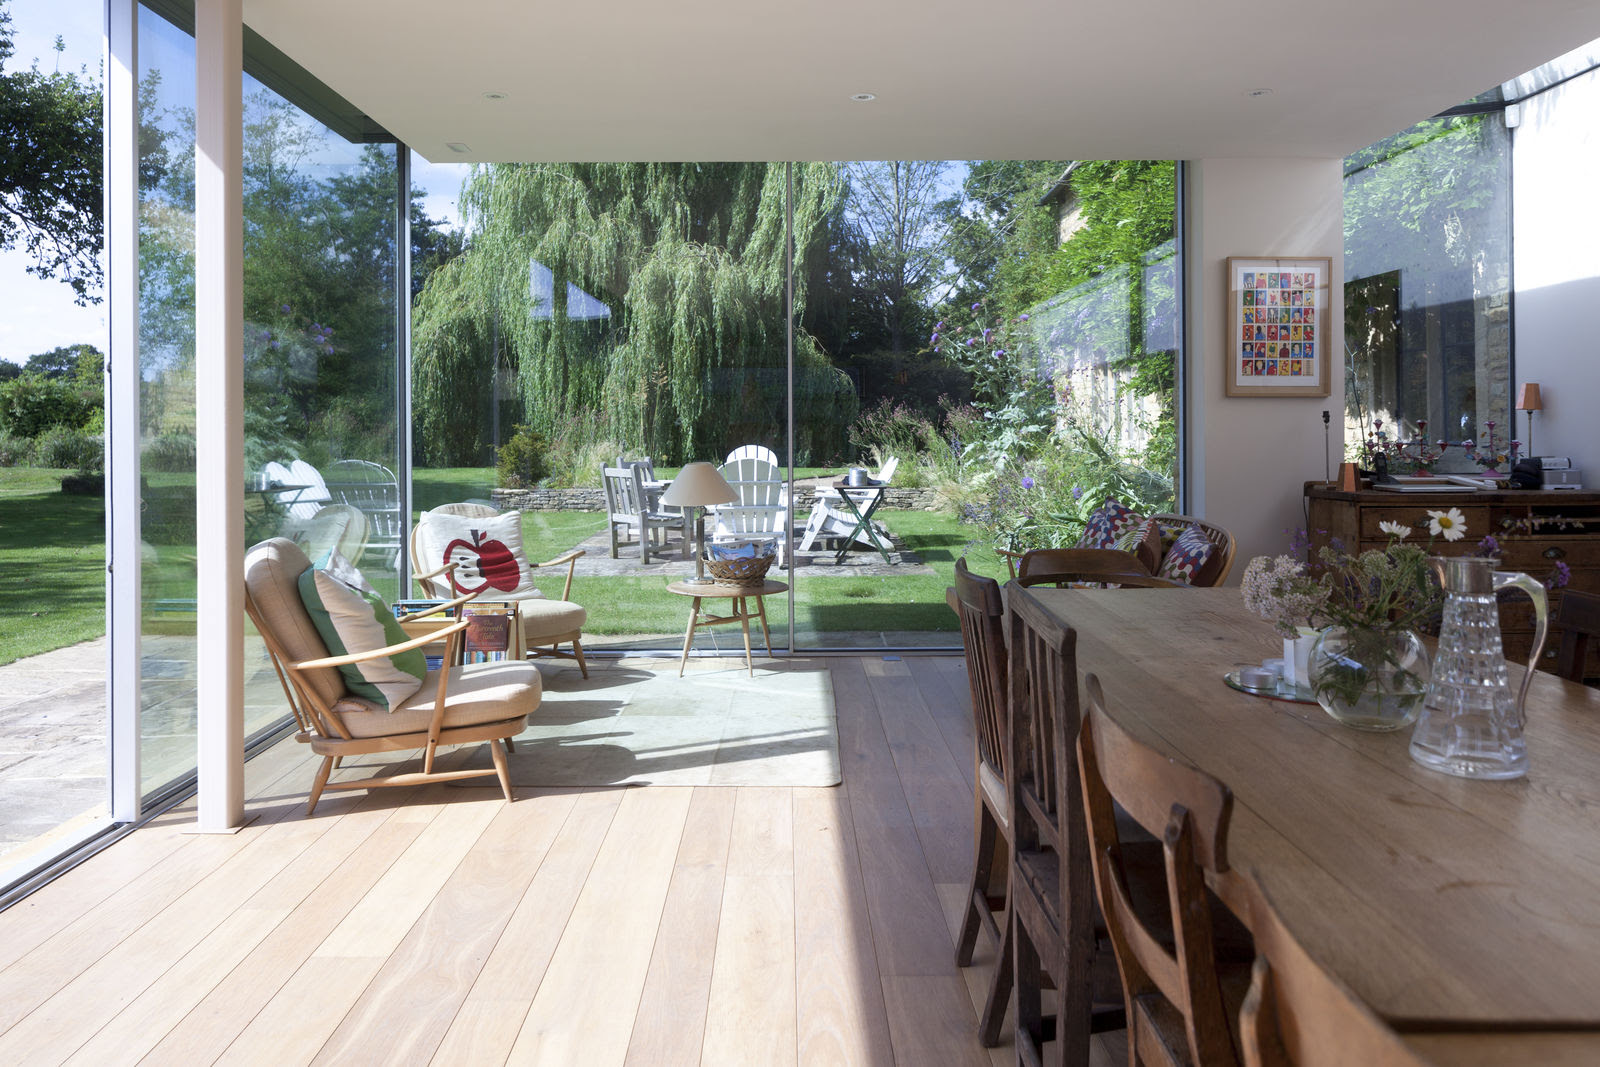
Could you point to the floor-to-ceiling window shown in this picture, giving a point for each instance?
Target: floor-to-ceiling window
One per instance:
(53, 737)
(1004, 333)
(321, 259)
(1427, 216)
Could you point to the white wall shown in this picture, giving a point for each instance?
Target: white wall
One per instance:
(1556, 200)
(1249, 457)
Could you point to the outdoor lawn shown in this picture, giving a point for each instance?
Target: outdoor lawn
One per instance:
(52, 548)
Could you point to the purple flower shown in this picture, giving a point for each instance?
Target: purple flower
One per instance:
(284, 309)
(1023, 317)
(1562, 575)
(999, 352)
(274, 345)
(934, 339)
(1488, 547)
(940, 326)
(986, 335)
(975, 307)
(1027, 483)
(1077, 492)
(971, 341)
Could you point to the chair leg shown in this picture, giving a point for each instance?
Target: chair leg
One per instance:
(613, 529)
(319, 782)
(978, 890)
(501, 770)
(1028, 977)
(577, 650)
(994, 1012)
(510, 745)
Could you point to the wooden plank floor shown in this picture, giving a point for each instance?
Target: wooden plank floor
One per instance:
(650, 926)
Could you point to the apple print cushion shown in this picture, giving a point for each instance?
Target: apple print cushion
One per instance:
(487, 552)
(354, 619)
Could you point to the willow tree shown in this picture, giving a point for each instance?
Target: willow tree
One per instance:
(650, 293)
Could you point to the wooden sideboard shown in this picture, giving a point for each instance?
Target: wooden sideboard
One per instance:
(1536, 530)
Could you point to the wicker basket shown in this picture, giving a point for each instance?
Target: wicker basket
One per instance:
(748, 571)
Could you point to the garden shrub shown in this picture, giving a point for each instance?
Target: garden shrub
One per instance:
(171, 453)
(32, 403)
(894, 429)
(62, 447)
(523, 461)
(579, 450)
(14, 451)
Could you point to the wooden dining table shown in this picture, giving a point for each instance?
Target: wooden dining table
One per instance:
(1466, 913)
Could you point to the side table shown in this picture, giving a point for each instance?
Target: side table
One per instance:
(741, 613)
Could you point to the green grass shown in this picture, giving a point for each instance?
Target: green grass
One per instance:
(53, 556)
(52, 550)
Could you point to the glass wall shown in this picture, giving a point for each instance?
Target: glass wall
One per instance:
(1427, 217)
(1003, 334)
(53, 747)
(321, 435)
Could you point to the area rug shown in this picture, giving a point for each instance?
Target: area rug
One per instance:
(643, 725)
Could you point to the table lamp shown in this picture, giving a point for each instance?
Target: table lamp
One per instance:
(1530, 401)
(699, 484)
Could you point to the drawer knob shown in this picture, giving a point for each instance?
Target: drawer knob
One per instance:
(1554, 552)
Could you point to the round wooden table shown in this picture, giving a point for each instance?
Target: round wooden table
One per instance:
(741, 613)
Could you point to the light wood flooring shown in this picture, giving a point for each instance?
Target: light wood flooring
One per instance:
(647, 926)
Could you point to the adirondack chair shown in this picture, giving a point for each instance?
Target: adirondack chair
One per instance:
(762, 513)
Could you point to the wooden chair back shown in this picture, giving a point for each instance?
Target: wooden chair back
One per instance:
(1066, 566)
(1188, 810)
(1578, 619)
(977, 603)
(1042, 780)
(1298, 1015)
(625, 496)
(760, 452)
(433, 583)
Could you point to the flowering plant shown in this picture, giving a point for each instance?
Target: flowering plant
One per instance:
(1281, 591)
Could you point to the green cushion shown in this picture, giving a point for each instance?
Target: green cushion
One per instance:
(354, 619)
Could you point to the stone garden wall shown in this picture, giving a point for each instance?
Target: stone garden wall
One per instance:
(895, 499)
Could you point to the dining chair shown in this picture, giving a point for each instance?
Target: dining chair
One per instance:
(1180, 1008)
(977, 603)
(1578, 619)
(1296, 1014)
(1053, 913)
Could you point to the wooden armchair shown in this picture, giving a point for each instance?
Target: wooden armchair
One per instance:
(1116, 566)
(541, 624)
(630, 512)
(1578, 619)
(456, 705)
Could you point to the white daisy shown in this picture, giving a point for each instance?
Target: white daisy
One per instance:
(1395, 529)
(1451, 525)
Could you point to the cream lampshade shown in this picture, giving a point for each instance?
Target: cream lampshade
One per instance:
(1530, 401)
(698, 485)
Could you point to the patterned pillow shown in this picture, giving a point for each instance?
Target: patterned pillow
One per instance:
(352, 619)
(1108, 521)
(488, 552)
(1143, 539)
(1187, 557)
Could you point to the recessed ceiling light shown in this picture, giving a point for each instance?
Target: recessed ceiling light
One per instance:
(495, 94)
(1258, 92)
(862, 98)
(457, 146)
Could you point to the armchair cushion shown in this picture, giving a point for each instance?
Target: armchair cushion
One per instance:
(487, 550)
(352, 620)
(545, 619)
(1143, 539)
(1187, 558)
(476, 693)
(1107, 522)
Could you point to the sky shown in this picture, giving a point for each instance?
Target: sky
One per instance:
(37, 314)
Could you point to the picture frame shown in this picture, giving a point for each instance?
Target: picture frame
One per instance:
(1283, 302)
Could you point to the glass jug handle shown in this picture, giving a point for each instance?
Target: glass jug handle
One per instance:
(1541, 623)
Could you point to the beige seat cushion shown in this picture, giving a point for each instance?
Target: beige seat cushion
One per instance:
(272, 572)
(476, 693)
(549, 618)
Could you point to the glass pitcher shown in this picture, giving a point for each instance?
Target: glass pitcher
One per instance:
(1471, 722)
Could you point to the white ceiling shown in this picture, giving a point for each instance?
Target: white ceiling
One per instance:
(762, 80)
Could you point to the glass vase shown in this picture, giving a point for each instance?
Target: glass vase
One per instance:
(1369, 678)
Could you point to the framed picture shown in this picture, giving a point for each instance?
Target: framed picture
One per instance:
(1277, 326)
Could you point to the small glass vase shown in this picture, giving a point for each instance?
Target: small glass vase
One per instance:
(1370, 678)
